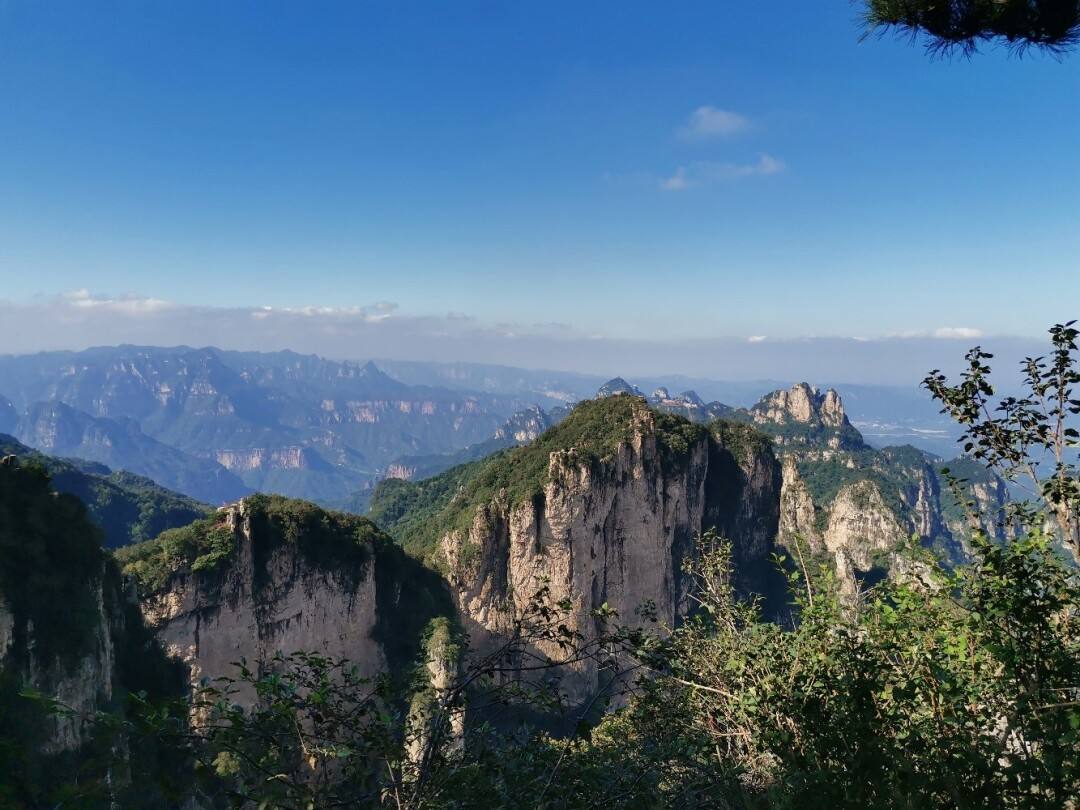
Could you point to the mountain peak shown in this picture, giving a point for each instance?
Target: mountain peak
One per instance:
(616, 386)
(802, 403)
(372, 372)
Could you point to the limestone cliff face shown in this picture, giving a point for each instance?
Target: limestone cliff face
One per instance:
(401, 471)
(861, 533)
(612, 532)
(856, 529)
(83, 683)
(855, 502)
(69, 632)
(801, 404)
(258, 458)
(804, 419)
(797, 511)
(274, 595)
(989, 496)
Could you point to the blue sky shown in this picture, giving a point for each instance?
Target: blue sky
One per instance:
(627, 170)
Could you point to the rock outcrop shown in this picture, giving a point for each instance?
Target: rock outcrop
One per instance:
(67, 632)
(616, 386)
(524, 426)
(259, 458)
(602, 512)
(859, 504)
(802, 416)
(280, 576)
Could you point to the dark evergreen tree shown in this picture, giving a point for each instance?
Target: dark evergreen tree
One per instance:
(962, 25)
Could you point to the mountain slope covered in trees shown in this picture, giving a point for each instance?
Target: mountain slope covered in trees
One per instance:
(126, 507)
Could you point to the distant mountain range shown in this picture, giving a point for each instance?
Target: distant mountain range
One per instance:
(217, 424)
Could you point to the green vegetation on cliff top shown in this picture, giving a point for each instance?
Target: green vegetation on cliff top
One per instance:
(333, 540)
(408, 594)
(419, 513)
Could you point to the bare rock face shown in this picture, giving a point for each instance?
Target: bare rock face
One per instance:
(260, 458)
(797, 513)
(799, 404)
(524, 426)
(258, 609)
(84, 685)
(805, 419)
(613, 533)
(831, 410)
(401, 471)
(276, 596)
(861, 523)
(990, 498)
(615, 536)
(857, 528)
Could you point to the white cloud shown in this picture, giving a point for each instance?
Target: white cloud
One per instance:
(942, 333)
(957, 332)
(677, 181)
(379, 311)
(380, 330)
(711, 122)
(709, 173)
(129, 304)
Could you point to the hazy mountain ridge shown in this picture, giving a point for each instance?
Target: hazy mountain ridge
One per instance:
(291, 423)
(58, 429)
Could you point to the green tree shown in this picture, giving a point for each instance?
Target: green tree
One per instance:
(1031, 438)
(949, 25)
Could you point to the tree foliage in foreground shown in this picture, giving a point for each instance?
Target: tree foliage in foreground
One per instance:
(1032, 438)
(962, 25)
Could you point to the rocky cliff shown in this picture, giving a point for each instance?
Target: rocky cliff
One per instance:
(601, 510)
(68, 633)
(858, 504)
(271, 575)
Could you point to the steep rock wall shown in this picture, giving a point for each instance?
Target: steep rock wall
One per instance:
(612, 533)
(339, 596)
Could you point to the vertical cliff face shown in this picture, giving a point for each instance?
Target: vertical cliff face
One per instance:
(68, 632)
(602, 511)
(82, 682)
(269, 575)
(56, 613)
(798, 515)
(614, 534)
(743, 501)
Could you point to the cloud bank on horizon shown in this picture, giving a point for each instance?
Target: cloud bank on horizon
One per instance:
(81, 319)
